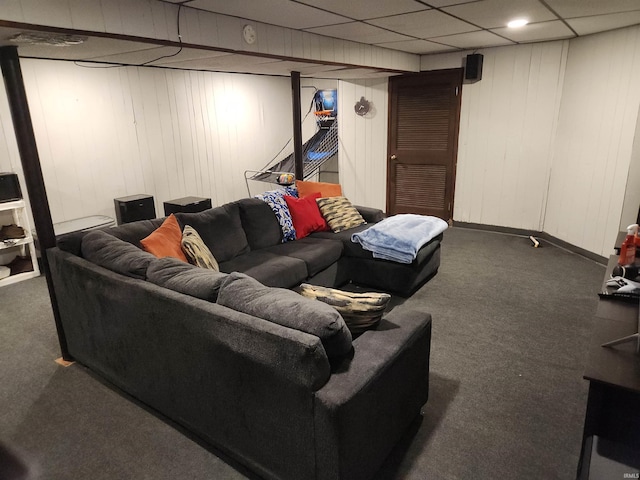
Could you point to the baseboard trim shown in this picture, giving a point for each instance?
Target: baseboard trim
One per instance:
(539, 235)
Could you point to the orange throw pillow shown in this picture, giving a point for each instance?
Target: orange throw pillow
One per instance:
(326, 189)
(166, 240)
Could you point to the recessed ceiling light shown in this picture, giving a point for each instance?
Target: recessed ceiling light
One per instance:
(520, 22)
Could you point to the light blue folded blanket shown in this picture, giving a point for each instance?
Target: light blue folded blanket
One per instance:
(399, 238)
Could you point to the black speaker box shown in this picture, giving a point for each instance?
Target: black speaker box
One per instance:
(9, 187)
(186, 205)
(473, 68)
(134, 208)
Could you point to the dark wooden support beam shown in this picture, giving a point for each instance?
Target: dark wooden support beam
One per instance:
(17, 97)
(297, 125)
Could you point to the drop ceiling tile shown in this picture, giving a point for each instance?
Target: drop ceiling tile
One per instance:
(420, 47)
(481, 38)
(599, 23)
(425, 24)
(535, 32)
(583, 8)
(297, 15)
(365, 9)
(359, 32)
(446, 3)
(496, 13)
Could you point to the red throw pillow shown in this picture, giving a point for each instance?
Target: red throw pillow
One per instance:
(306, 215)
(165, 241)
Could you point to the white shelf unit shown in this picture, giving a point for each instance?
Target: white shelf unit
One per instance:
(16, 213)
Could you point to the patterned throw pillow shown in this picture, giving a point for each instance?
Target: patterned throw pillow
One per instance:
(360, 311)
(196, 251)
(339, 213)
(274, 198)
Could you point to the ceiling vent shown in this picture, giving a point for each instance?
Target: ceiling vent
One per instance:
(51, 39)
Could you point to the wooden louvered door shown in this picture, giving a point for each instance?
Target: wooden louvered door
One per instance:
(424, 116)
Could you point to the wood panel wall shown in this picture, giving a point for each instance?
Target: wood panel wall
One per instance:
(507, 129)
(108, 133)
(362, 155)
(593, 150)
(547, 138)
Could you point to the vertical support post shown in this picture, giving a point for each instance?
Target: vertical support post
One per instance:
(297, 125)
(17, 97)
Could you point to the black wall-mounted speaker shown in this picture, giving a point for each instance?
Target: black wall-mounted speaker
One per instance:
(134, 208)
(9, 187)
(473, 67)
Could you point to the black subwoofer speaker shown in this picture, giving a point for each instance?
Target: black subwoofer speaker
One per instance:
(9, 187)
(473, 67)
(134, 208)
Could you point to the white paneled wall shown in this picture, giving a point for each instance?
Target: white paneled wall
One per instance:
(596, 128)
(107, 133)
(507, 127)
(631, 205)
(547, 138)
(9, 154)
(362, 155)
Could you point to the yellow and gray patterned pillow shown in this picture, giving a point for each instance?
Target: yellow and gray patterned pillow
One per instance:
(196, 251)
(339, 213)
(360, 311)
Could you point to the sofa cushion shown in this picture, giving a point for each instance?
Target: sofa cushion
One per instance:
(269, 268)
(116, 255)
(275, 200)
(339, 213)
(306, 215)
(317, 253)
(360, 311)
(165, 241)
(325, 189)
(185, 278)
(285, 307)
(196, 251)
(135, 231)
(259, 223)
(220, 229)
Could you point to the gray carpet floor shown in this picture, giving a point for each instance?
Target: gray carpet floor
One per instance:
(511, 325)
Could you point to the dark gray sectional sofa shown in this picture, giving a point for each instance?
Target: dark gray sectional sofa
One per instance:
(258, 388)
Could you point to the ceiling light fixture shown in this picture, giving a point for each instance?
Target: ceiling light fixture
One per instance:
(51, 39)
(520, 22)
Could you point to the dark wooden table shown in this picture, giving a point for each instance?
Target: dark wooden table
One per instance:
(613, 406)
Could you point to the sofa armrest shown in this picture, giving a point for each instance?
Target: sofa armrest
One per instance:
(371, 215)
(366, 405)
